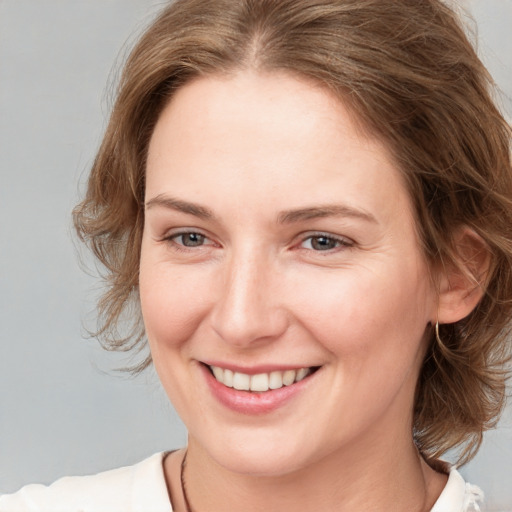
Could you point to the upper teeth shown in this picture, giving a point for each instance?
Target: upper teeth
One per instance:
(260, 381)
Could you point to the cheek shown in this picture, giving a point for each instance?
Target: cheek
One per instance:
(373, 329)
(173, 301)
(359, 313)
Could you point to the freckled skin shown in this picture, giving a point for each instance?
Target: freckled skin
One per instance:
(255, 291)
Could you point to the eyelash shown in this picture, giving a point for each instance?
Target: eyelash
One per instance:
(340, 242)
(181, 247)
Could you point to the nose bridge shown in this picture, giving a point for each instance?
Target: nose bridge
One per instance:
(248, 308)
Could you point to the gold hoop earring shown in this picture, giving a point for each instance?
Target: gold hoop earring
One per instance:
(438, 338)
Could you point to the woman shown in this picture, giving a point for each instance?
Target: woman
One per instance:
(309, 202)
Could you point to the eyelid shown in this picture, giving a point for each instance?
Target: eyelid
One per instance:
(343, 241)
(172, 234)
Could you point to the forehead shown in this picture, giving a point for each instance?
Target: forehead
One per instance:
(272, 135)
(231, 98)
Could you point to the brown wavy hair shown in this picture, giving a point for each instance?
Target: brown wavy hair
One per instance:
(409, 73)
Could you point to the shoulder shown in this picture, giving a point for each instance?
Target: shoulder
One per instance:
(127, 489)
(459, 496)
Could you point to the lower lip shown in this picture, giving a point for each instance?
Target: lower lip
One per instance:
(247, 402)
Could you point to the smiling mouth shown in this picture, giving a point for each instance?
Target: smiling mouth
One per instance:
(260, 382)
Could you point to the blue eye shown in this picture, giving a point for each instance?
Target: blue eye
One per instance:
(324, 243)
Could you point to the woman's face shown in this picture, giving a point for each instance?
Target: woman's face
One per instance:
(279, 241)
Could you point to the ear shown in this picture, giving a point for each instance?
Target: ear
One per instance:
(462, 285)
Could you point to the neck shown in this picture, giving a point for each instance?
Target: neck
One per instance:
(394, 478)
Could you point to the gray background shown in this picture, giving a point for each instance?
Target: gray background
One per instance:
(62, 408)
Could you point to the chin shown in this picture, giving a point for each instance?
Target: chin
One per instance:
(261, 464)
(259, 455)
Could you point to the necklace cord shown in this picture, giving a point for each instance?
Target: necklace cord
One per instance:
(188, 508)
(183, 486)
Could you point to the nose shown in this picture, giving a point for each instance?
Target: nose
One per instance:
(248, 310)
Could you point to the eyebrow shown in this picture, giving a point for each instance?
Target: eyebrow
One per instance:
(285, 217)
(181, 206)
(317, 212)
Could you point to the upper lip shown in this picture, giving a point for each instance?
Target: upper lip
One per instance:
(256, 369)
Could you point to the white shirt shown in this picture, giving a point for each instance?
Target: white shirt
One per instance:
(142, 488)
